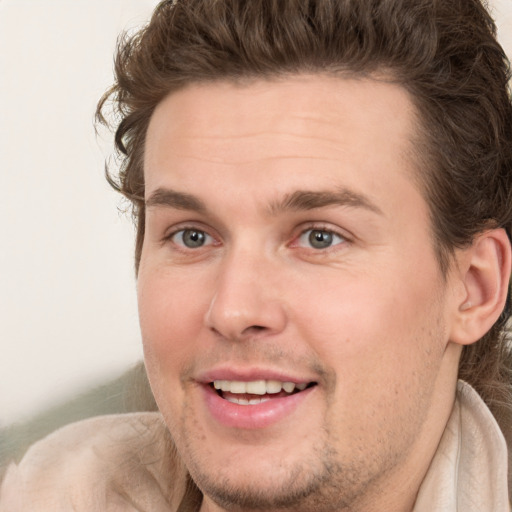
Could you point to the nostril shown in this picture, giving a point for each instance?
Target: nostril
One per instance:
(253, 329)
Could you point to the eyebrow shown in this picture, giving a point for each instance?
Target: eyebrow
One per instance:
(173, 199)
(309, 200)
(296, 201)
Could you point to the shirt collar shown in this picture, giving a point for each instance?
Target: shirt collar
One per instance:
(469, 470)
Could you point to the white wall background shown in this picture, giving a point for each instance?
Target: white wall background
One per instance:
(67, 292)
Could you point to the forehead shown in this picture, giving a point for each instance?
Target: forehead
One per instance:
(320, 129)
(197, 108)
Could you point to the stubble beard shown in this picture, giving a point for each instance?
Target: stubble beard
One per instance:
(318, 483)
(319, 480)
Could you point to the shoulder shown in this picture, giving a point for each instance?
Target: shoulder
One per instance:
(117, 462)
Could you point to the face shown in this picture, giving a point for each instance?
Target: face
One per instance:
(293, 313)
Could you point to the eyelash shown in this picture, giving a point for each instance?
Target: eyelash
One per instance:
(327, 234)
(183, 229)
(322, 228)
(344, 239)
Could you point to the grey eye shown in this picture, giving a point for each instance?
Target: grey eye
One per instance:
(319, 239)
(191, 238)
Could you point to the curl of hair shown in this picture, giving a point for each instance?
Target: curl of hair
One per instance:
(444, 52)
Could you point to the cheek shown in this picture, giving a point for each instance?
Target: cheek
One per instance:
(374, 327)
(384, 346)
(171, 317)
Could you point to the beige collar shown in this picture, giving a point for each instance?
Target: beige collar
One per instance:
(469, 470)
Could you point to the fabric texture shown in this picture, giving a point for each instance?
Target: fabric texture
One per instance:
(469, 470)
(118, 463)
(127, 462)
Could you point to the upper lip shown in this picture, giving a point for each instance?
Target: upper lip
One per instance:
(250, 374)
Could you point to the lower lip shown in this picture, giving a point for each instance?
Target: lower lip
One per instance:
(255, 416)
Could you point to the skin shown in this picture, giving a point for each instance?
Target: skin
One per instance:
(367, 319)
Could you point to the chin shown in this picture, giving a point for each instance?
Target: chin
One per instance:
(253, 480)
(298, 488)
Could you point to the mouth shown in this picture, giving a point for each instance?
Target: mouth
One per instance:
(257, 391)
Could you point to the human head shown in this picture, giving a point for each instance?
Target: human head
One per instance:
(286, 241)
(444, 53)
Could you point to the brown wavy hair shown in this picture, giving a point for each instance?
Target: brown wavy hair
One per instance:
(443, 52)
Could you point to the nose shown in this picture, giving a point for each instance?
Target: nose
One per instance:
(246, 302)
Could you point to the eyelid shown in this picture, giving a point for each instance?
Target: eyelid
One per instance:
(300, 231)
(170, 233)
(321, 226)
(334, 239)
(208, 239)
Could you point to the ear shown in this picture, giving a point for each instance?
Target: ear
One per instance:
(484, 269)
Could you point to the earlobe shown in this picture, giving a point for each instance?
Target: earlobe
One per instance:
(485, 271)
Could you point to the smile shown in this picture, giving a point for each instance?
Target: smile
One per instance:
(255, 403)
(243, 393)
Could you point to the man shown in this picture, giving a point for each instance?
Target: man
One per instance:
(323, 197)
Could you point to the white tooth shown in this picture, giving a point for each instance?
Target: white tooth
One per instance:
(254, 401)
(243, 401)
(237, 386)
(288, 386)
(225, 385)
(256, 387)
(273, 386)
